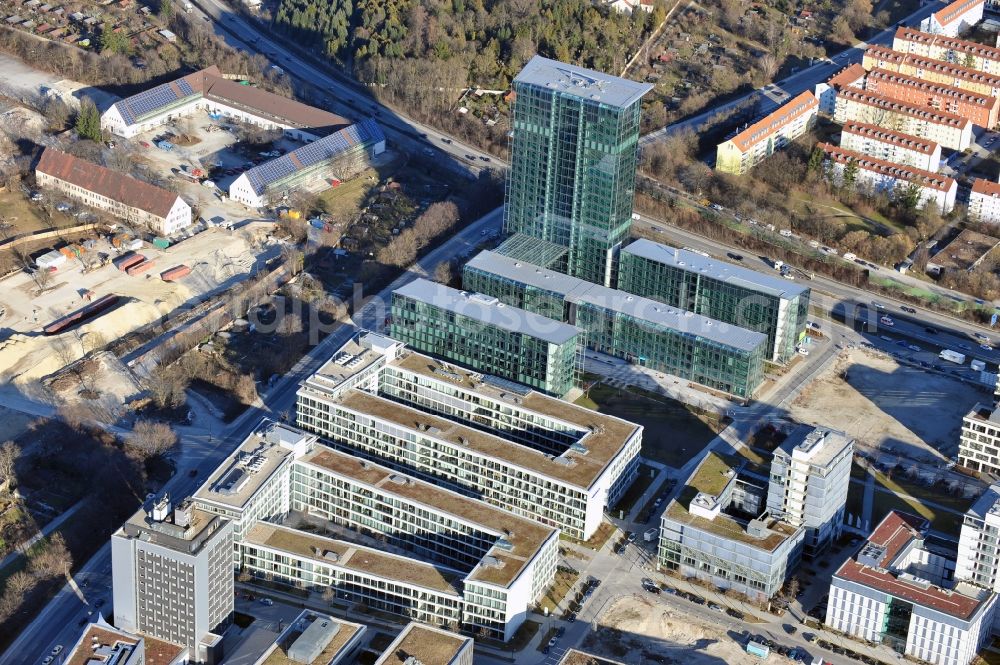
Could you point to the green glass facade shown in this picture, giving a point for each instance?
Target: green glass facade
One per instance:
(574, 154)
(550, 364)
(735, 299)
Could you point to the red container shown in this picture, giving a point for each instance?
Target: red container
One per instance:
(123, 263)
(139, 268)
(175, 273)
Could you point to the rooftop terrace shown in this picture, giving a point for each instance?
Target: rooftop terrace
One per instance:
(430, 646)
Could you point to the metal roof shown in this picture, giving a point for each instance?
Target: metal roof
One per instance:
(725, 272)
(325, 149)
(581, 82)
(489, 310)
(577, 290)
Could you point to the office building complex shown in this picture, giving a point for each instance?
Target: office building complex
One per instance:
(972, 55)
(334, 157)
(765, 137)
(949, 130)
(894, 179)
(482, 333)
(984, 201)
(307, 516)
(979, 447)
(573, 159)
(929, 69)
(134, 201)
(725, 292)
(103, 644)
(954, 19)
(173, 581)
(979, 543)
(718, 530)
(890, 146)
(427, 646)
(852, 76)
(530, 454)
(315, 639)
(642, 330)
(981, 109)
(898, 591)
(810, 475)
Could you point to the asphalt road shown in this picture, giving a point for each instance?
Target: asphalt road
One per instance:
(773, 95)
(203, 446)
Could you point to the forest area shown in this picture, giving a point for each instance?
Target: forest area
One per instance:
(421, 54)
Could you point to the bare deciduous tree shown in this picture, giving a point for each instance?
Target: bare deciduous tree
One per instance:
(9, 454)
(150, 438)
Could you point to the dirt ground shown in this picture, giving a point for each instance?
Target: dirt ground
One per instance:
(882, 404)
(635, 629)
(12, 423)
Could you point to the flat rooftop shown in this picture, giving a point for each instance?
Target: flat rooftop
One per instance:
(346, 630)
(430, 646)
(166, 533)
(248, 468)
(489, 310)
(524, 535)
(354, 557)
(575, 657)
(102, 643)
(965, 251)
(652, 311)
(688, 261)
(988, 503)
(819, 445)
(711, 477)
(580, 82)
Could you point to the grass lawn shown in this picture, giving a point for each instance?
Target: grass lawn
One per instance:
(563, 583)
(25, 216)
(673, 433)
(520, 640)
(347, 196)
(903, 486)
(642, 482)
(884, 501)
(596, 542)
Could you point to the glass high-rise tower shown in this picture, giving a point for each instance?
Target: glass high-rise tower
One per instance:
(574, 154)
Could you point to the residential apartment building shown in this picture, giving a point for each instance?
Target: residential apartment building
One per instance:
(979, 543)
(765, 137)
(984, 201)
(642, 330)
(852, 76)
(137, 202)
(482, 333)
(173, 579)
(890, 146)
(724, 292)
(530, 454)
(950, 131)
(103, 644)
(979, 446)
(972, 55)
(718, 530)
(958, 17)
(427, 646)
(336, 156)
(899, 590)
(935, 71)
(893, 179)
(981, 109)
(574, 154)
(312, 517)
(810, 475)
(208, 90)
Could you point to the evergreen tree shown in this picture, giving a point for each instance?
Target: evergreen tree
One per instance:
(850, 173)
(114, 42)
(166, 9)
(816, 160)
(88, 121)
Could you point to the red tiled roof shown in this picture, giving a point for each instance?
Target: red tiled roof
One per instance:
(951, 43)
(894, 533)
(884, 135)
(897, 106)
(887, 55)
(282, 109)
(890, 169)
(784, 115)
(116, 186)
(847, 76)
(929, 87)
(985, 187)
(955, 10)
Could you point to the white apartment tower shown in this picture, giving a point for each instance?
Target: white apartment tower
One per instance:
(979, 544)
(173, 579)
(810, 475)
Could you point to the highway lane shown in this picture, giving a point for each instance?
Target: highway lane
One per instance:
(204, 446)
(773, 95)
(348, 99)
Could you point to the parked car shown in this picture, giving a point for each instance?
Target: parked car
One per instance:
(266, 602)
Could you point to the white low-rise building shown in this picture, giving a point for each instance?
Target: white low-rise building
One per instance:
(984, 201)
(898, 591)
(956, 18)
(825, 92)
(891, 178)
(890, 146)
(950, 131)
(163, 212)
(974, 55)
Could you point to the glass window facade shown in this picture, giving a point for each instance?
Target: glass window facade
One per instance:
(572, 176)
